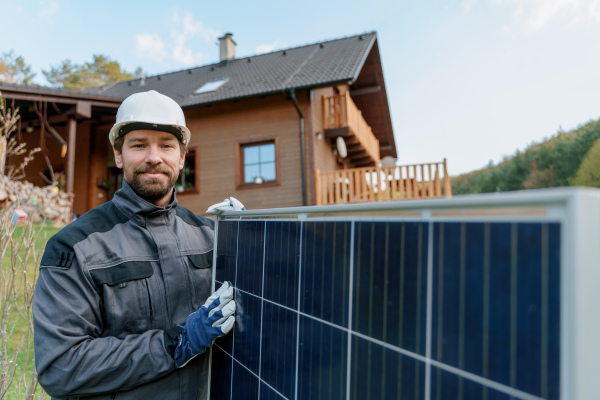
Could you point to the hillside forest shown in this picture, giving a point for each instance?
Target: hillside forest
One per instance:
(566, 159)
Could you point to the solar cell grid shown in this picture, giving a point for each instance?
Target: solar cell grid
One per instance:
(353, 309)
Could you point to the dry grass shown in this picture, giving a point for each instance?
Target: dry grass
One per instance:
(21, 248)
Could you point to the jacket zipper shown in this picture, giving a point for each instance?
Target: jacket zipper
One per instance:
(149, 300)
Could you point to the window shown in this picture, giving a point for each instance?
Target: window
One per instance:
(211, 86)
(258, 162)
(188, 181)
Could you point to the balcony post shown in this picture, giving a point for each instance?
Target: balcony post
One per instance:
(318, 187)
(447, 186)
(379, 185)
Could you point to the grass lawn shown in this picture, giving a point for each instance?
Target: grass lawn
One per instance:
(19, 271)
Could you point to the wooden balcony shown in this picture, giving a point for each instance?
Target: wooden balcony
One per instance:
(341, 117)
(378, 183)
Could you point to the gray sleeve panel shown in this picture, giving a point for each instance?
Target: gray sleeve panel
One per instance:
(71, 358)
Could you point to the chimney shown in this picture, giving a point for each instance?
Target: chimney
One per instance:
(226, 47)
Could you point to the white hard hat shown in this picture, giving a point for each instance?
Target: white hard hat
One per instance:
(150, 110)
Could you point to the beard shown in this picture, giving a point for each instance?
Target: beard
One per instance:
(152, 189)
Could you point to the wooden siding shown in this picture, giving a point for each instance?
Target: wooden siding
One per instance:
(216, 131)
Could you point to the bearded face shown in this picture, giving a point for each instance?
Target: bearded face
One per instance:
(151, 162)
(151, 188)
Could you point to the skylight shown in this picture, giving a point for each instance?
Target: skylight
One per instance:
(211, 86)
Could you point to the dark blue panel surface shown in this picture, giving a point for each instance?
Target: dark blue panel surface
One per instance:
(381, 373)
(551, 349)
(496, 298)
(250, 257)
(322, 367)
(390, 283)
(446, 253)
(245, 384)
(498, 343)
(278, 365)
(528, 306)
(326, 271)
(446, 385)
(220, 377)
(459, 298)
(226, 251)
(246, 331)
(495, 309)
(268, 393)
(282, 259)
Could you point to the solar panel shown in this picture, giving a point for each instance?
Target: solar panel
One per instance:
(390, 308)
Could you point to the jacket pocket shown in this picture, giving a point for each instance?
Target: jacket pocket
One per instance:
(120, 273)
(127, 296)
(201, 261)
(200, 273)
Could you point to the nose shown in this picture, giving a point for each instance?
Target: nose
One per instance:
(153, 156)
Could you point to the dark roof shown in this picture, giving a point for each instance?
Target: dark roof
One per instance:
(313, 65)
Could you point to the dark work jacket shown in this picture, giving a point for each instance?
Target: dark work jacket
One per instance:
(113, 286)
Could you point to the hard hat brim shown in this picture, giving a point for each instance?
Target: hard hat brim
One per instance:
(182, 133)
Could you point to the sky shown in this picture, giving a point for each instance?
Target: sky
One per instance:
(472, 81)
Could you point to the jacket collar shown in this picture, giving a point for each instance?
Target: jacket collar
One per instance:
(138, 209)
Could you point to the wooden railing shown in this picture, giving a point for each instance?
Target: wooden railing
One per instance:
(339, 111)
(383, 183)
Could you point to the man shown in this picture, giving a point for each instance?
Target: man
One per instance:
(119, 307)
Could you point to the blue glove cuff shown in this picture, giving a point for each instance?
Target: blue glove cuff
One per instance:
(183, 351)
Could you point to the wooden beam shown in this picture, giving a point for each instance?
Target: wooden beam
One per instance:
(356, 151)
(365, 90)
(333, 133)
(54, 120)
(360, 158)
(364, 162)
(352, 140)
(357, 157)
(70, 161)
(83, 109)
(352, 148)
(80, 110)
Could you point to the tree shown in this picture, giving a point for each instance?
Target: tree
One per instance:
(14, 69)
(589, 171)
(568, 158)
(101, 71)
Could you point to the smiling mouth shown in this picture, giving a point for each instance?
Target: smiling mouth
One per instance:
(152, 174)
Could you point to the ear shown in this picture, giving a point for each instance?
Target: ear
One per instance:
(181, 161)
(118, 158)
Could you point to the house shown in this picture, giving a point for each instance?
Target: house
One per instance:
(266, 129)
